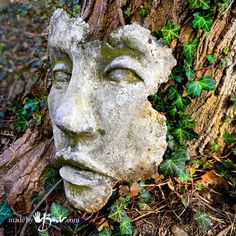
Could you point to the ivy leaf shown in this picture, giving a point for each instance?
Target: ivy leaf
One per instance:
(118, 212)
(52, 177)
(224, 63)
(181, 102)
(170, 32)
(189, 48)
(233, 99)
(194, 88)
(182, 134)
(226, 51)
(126, 227)
(43, 233)
(105, 232)
(187, 122)
(214, 147)
(195, 4)
(143, 11)
(184, 177)
(38, 118)
(188, 69)
(173, 110)
(21, 124)
(223, 6)
(128, 12)
(211, 58)
(202, 22)
(172, 93)
(175, 166)
(36, 198)
(229, 138)
(207, 83)
(203, 219)
(146, 196)
(176, 74)
(5, 212)
(58, 212)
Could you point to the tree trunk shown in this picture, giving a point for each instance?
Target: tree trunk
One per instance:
(22, 164)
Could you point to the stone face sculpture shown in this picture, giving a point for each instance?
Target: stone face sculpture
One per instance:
(104, 127)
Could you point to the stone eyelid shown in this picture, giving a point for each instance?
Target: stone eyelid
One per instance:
(61, 67)
(125, 62)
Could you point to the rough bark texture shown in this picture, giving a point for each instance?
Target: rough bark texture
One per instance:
(26, 158)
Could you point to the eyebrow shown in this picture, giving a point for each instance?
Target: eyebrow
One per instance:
(126, 62)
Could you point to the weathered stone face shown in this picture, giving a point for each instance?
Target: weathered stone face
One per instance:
(105, 130)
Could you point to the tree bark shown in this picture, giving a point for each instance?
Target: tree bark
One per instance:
(22, 164)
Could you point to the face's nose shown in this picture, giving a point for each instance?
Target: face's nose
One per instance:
(75, 116)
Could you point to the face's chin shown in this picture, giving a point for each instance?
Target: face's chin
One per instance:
(86, 190)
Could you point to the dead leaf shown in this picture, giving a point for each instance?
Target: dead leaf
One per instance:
(170, 185)
(103, 223)
(158, 178)
(123, 189)
(134, 189)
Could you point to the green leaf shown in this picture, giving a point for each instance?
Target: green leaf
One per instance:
(170, 32)
(36, 198)
(172, 93)
(207, 83)
(58, 212)
(194, 88)
(188, 69)
(195, 4)
(128, 12)
(5, 212)
(105, 232)
(223, 6)
(189, 48)
(182, 134)
(43, 233)
(181, 102)
(202, 22)
(215, 147)
(224, 63)
(203, 219)
(211, 58)
(21, 124)
(2, 47)
(226, 50)
(146, 196)
(229, 138)
(175, 166)
(37, 118)
(200, 187)
(173, 111)
(176, 74)
(143, 11)
(233, 99)
(184, 177)
(52, 177)
(118, 212)
(126, 227)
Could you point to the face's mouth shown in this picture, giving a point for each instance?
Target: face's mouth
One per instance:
(81, 165)
(83, 177)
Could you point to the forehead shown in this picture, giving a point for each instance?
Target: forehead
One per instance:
(70, 37)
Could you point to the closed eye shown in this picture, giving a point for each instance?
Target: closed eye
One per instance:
(125, 68)
(119, 75)
(61, 72)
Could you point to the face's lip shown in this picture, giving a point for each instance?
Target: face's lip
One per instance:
(83, 177)
(81, 162)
